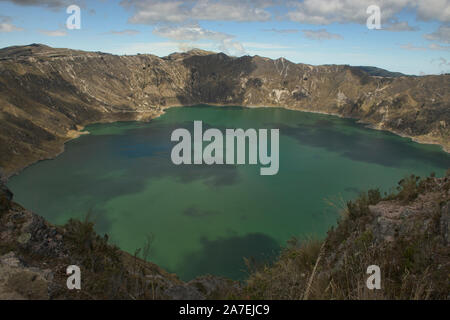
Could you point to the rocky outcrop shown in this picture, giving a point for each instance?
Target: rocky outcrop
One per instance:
(391, 220)
(406, 235)
(18, 231)
(407, 239)
(18, 282)
(48, 94)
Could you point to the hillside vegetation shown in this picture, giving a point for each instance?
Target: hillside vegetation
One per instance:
(406, 234)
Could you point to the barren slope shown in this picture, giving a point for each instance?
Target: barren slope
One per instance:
(47, 94)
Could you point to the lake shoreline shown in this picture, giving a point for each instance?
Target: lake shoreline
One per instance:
(147, 116)
(123, 174)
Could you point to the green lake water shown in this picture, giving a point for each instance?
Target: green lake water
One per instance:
(205, 219)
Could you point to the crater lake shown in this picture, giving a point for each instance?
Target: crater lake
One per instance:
(204, 219)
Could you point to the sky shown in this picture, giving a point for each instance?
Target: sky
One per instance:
(413, 36)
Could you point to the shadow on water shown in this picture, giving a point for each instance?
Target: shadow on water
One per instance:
(361, 145)
(225, 256)
(120, 162)
(196, 212)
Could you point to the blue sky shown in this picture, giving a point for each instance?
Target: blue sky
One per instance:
(414, 36)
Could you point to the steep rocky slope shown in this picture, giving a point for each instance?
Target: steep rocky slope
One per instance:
(406, 235)
(48, 94)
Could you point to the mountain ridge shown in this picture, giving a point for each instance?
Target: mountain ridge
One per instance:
(48, 94)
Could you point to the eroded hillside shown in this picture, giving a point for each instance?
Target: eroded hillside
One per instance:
(47, 94)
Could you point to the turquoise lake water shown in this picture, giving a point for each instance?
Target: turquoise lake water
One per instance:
(205, 219)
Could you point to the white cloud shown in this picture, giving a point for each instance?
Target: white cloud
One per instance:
(435, 46)
(344, 11)
(7, 26)
(433, 10)
(282, 31)
(399, 26)
(127, 32)
(441, 62)
(411, 47)
(441, 35)
(150, 12)
(54, 5)
(191, 32)
(321, 34)
(232, 47)
(54, 33)
(231, 10)
(176, 11)
(306, 11)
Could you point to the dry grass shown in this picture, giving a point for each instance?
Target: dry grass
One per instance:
(109, 273)
(414, 266)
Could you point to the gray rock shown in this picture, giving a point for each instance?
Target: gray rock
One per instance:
(10, 260)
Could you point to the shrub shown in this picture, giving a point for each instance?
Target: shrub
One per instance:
(360, 206)
(288, 277)
(408, 188)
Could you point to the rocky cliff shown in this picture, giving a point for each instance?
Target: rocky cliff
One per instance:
(48, 94)
(405, 234)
